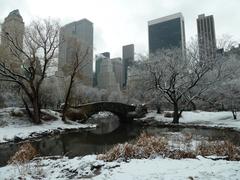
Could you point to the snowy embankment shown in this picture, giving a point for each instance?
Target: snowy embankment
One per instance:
(144, 169)
(201, 118)
(12, 127)
(88, 167)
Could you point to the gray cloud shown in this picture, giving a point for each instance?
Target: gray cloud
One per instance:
(120, 22)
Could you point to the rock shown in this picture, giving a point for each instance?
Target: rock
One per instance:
(17, 139)
(168, 114)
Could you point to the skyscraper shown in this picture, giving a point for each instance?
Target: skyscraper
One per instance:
(206, 37)
(13, 26)
(106, 78)
(82, 32)
(166, 32)
(128, 58)
(99, 58)
(117, 69)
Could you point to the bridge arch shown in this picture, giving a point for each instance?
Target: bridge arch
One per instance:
(124, 111)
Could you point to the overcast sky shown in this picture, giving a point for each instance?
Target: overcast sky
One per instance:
(121, 22)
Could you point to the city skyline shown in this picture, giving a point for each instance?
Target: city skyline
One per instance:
(130, 24)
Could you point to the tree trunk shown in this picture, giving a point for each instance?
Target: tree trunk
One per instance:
(158, 109)
(194, 107)
(27, 109)
(36, 111)
(234, 114)
(65, 107)
(176, 115)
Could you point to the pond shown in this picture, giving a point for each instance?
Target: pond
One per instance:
(109, 133)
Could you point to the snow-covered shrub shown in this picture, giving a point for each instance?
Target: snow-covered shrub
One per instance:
(219, 148)
(145, 146)
(17, 112)
(180, 154)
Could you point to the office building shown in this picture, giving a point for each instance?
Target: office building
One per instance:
(13, 26)
(118, 70)
(99, 58)
(128, 59)
(81, 32)
(106, 78)
(166, 33)
(206, 37)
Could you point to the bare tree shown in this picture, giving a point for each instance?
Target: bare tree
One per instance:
(40, 46)
(224, 96)
(226, 42)
(181, 79)
(78, 60)
(229, 96)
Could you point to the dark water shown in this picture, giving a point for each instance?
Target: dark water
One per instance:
(108, 134)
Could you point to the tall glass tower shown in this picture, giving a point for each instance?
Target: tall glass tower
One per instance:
(166, 32)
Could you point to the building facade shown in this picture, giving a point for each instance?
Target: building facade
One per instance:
(127, 60)
(206, 37)
(99, 58)
(166, 33)
(13, 26)
(106, 78)
(118, 70)
(81, 32)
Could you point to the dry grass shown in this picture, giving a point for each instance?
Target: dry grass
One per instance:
(219, 148)
(179, 154)
(25, 153)
(145, 146)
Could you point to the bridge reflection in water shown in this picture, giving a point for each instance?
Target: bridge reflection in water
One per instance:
(106, 122)
(79, 143)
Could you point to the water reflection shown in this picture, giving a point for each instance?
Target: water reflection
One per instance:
(77, 143)
(92, 142)
(106, 122)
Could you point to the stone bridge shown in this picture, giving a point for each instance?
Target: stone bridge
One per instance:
(125, 112)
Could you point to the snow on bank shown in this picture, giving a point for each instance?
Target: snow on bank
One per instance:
(203, 118)
(12, 127)
(143, 169)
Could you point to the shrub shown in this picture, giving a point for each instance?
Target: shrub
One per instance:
(219, 148)
(17, 112)
(25, 153)
(145, 146)
(179, 154)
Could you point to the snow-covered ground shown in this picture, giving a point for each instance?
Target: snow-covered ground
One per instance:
(137, 169)
(12, 127)
(203, 118)
(143, 169)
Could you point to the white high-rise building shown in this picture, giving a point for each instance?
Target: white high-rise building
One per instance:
(13, 26)
(81, 32)
(118, 70)
(128, 59)
(106, 78)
